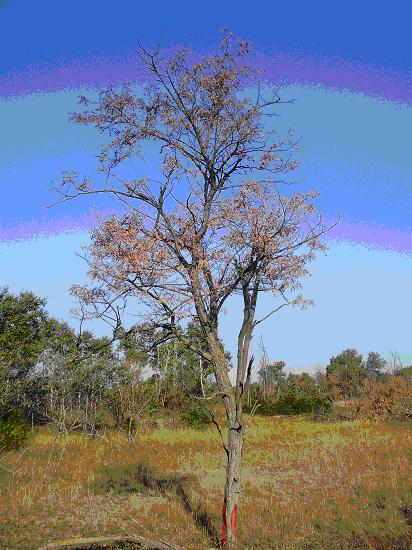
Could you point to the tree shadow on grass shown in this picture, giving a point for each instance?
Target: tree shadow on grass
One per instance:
(141, 478)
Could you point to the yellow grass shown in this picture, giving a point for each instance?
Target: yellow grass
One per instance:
(305, 485)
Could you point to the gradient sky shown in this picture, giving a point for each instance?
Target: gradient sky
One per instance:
(347, 66)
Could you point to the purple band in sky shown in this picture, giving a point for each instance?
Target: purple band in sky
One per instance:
(377, 237)
(50, 227)
(336, 74)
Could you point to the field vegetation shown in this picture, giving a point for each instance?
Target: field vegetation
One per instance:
(306, 485)
(102, 440)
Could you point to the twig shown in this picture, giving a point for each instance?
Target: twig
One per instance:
(215, 422)
(160, 540)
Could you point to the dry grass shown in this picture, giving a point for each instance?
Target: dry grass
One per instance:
(305, 485)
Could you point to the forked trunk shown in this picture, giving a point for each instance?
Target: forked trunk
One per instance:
(232, 486)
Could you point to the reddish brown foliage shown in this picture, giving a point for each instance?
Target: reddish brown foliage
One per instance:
(391, 398)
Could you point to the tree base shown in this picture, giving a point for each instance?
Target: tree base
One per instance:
(233, 523)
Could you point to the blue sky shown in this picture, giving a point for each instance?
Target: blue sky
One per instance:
(45, 31)
(349, 72)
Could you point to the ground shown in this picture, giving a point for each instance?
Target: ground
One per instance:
(306, 485)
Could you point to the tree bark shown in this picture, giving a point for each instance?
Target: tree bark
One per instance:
(234, 446)
(232, 485)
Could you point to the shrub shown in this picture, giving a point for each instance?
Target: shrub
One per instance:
(13, 430)
(390, 398)
(289, 404)
(262, 408)
(195, 416)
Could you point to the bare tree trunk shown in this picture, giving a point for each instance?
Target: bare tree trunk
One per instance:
(234, 444)
(234, 448)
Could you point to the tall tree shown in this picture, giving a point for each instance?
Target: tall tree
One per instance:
(211, 225)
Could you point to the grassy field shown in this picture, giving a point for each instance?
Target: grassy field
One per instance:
(305, 485)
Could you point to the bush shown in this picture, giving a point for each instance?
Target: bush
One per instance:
(385, 399)
(262, 408)
(289, 404)
(195, 416)
(13, 430)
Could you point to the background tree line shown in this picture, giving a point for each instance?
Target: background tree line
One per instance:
(350, 387)
(50, 374)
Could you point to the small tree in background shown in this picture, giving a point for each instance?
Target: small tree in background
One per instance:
(23, 321)
(394, 363)
(321, 382)
(271, 374)
(344, 374)
(272, 377)
(130, 400)
(211, 225)
(375, 365)
(302, 384)
(75, 379)
(181, 374)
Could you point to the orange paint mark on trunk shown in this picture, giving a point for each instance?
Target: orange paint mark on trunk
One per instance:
(233, 522)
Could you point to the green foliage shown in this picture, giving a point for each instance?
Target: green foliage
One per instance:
(272, 373)
(178, 371)
(262, 408)
(375, 365)
(22, 323)
(182, 370)
(138, 347)
(291, 404)
(406, 372)
(13, 431)
(302, 384)
(35, 351)
(347, 359)
(195, 416)
(345, 374)
(46, 370)
(272, 377)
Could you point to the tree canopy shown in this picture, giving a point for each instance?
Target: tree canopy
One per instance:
(23, 326)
